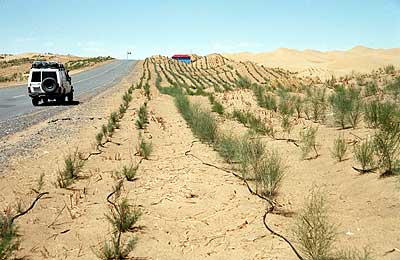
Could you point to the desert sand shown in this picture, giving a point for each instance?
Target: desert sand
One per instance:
(192, 206)
(324, 63)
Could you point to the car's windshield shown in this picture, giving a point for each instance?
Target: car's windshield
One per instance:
(36, 76)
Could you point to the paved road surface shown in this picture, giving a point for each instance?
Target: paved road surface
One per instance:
(16, 107)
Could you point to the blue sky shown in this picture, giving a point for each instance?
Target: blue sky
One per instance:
(147, 27)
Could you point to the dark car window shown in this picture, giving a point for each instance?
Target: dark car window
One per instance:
(36, 76)
(49, 74)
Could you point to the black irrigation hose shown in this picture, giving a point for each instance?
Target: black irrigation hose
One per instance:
(272, 203)
(279, 235)
(30, 207)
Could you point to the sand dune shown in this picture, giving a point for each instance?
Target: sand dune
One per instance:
(323, 64)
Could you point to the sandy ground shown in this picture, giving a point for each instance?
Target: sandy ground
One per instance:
(189, 210)
(324, 64)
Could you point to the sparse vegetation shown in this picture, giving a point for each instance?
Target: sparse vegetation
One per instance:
(339, 148)
(269, 172)
(314, 231)
(142, 120)
(364, 155)
(251, 121)
(308, 141)
(346, 106)
(129, 172)
(73, 164)
(82, 63)
(122, 219)
(144, 148)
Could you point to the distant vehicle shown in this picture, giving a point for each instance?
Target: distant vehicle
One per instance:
(182, 57)
(49, 81)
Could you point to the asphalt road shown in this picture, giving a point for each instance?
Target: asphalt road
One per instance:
(17, 111)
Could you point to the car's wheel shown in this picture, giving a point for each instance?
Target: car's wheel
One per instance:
(35, 101)
(49, 85)
(45, 100)
(70, 97)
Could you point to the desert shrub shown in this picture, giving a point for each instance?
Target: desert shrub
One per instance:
(387, 148)
(242, 82)
(313, 230)
(73, 165)
(270, 103)
(228, 148)
(346, 106)
(269, 172)
(122, 217)
(371, 89)
(203, 124)
(104, 130)
(389, 69)
(129, 172)
(99, 138)
(144, 148)
(115, 249)
(172, 91)
(308, 141)
(110, 128)
(8, 235)
(127, 98)
(146, 88)
(364, 154)
(142, 120)
(354, 254)
(114, 120)
(298, 105)
(316, 103)
(339, 148)
(122, 110)
(215, 105)
(371, 113)
(251, 121)
(393, 88)
(251, 152)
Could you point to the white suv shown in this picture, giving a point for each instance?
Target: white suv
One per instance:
(49, 80)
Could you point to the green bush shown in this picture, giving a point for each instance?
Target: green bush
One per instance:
(389, 69)
(142, 120)
(129, 172)
(339, 148)
(123, 218)
(314, 232)
(228, 148)
(371, 113)
(364, 154)
(73, 165)
(144, 148)
(371, 89)
(115, 249)
(269, 172)
(346, 106)
(251, 121)
(8, 235)
(394, 88)
(387, 148)
(308, 141)
(316, 103)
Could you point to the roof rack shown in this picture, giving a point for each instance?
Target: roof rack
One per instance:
(47, 65)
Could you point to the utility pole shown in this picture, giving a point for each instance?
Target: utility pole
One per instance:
(128, 53)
